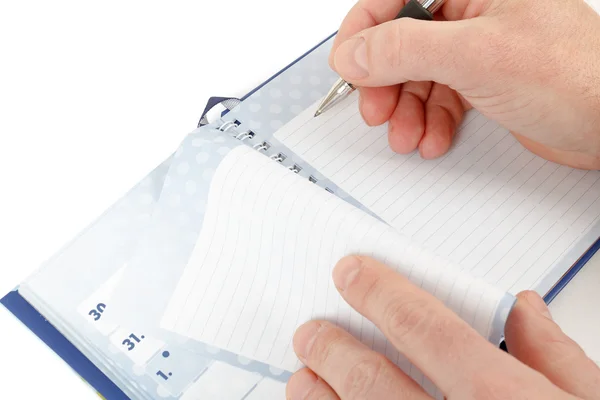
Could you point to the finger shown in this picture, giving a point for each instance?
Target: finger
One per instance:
(450, 352)
(305, 385)
(413, 50)
(349, 367)
(378, 104)
(368, 13)
(365, 14)
(536, 340)
(407, 124)
(443, 113)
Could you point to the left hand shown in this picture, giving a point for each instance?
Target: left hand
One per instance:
(544, 363)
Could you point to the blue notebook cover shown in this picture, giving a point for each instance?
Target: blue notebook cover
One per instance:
(42, 328)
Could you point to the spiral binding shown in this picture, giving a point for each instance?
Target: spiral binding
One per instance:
(264, 146)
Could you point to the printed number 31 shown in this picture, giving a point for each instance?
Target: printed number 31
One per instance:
(97, 312)
(129, 343)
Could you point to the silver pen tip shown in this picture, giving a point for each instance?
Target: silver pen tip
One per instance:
(338, 92)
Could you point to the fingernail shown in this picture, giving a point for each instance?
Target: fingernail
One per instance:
(538, 304)
(428, 148)
(345, 272)
(351, 59)
(300, 385)
(305, 338)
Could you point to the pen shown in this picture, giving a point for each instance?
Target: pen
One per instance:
(416, 9)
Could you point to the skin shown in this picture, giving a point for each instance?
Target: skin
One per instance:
(524, 64)
(543, 362)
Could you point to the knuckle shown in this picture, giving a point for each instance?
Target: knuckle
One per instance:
(444, 332)
(362, 378)
(389, 45)
(404, 318)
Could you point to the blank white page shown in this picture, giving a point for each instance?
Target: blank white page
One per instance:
(488, 205)
(263, 261)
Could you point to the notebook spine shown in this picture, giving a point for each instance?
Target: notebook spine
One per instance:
(263, 146)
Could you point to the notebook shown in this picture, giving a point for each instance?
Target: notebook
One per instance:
(191, 285)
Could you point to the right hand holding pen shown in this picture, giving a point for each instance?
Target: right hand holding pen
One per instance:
(532, 66)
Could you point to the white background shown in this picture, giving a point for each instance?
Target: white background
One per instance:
(93, 95)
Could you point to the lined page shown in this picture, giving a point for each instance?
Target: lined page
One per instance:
(488, 205)
(263, 261)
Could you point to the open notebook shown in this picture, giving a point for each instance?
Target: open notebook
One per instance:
(488, 205)
(192, 285)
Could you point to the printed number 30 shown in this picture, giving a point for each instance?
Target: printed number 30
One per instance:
(97, 312)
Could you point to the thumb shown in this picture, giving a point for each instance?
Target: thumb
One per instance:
(537, 341)
(407, 49)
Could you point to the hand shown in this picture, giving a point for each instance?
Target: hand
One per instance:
(544, 363)
(532, 66)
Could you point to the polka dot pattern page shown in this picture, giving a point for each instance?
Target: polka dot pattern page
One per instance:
(143, 361)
